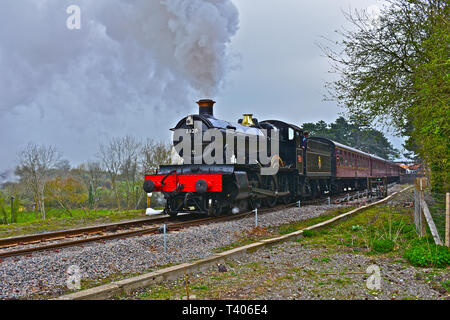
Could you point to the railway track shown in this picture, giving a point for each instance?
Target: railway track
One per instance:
(40, 242)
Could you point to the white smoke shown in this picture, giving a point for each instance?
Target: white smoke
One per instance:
(131, 59)
(128, 52)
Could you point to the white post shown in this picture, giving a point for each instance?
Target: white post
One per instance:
(329, 201)
(256, 217)
(164, 231)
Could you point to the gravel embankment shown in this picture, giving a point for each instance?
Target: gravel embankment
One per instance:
(293, 270)
(46, 273)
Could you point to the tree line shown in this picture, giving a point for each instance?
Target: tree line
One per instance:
(396, 72)
(112, 180)
(351, 134)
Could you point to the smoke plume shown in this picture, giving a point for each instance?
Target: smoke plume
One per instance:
(130, 57)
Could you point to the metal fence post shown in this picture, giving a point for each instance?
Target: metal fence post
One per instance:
(329, 201)
(256, 217)
(164, 231)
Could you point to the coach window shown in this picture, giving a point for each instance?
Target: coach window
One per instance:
(345, 158)
(290, 134)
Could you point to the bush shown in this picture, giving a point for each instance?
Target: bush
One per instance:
(309, 233)
(423, 254)
(383, 246)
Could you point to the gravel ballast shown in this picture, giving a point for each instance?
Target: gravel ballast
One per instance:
(46, 273)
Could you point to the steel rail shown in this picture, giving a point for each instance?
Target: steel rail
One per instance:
(132, 233)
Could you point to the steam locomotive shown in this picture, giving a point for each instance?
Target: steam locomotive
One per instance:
(231, 179)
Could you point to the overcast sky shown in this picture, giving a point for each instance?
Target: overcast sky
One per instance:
(117, 75)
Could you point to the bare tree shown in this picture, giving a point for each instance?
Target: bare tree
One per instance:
(95, 175)
(120, 157)
(110, 155)
(155, 154)
(129, 168)
(35, 161)
(90, 175)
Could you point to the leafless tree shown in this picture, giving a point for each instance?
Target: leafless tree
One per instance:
(154, 154)
(120, 158)
(110, 155)
(130, 170)
(90, 175)
(35, 161)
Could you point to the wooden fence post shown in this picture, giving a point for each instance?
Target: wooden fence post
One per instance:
(430, 222)
(447, 220)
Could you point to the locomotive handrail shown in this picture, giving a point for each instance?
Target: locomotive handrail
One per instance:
(167, 175)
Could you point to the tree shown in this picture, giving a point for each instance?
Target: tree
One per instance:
(154, 154)
(120, 157)
(130, 169)
(366, 139)
(35, 161)
(396, 72)
(68, 192)
(110, 156)
(90, 175)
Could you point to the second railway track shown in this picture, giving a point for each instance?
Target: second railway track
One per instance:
(40, 242)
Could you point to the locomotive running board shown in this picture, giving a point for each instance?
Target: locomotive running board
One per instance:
(270, 193)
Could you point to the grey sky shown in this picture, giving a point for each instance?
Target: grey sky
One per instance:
(278, 72)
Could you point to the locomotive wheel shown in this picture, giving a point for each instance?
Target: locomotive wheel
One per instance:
(284, 186)
(271, 185)
(215, 209)
(270, 202)
(286, 199)
(172, 214)
(254, 203)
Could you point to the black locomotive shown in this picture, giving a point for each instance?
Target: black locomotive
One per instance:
(233, 178)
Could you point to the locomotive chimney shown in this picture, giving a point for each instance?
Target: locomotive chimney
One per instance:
(205, 107)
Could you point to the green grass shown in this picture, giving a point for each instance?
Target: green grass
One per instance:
(383, 230)
(57, 219)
